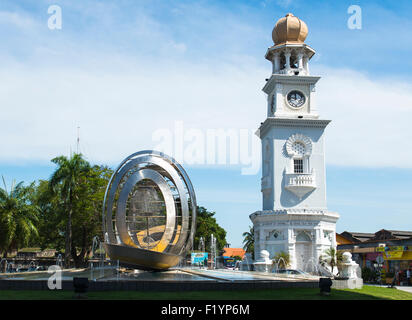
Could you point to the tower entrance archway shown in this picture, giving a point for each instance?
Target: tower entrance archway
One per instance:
(303, 250)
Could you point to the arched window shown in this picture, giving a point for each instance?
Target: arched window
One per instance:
(303, 236)
(299, 148)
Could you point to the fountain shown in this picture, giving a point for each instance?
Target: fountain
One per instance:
(246, 264)
(91, 271)
(32, 266)
(325, 272)
(277, 263)
(59, 261)
(349, 271)
(201, 246)
(263, 264)
(1, 264)
(10, 267)
(95, 244)
(212, 252)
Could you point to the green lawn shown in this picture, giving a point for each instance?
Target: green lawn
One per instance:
(366, 293)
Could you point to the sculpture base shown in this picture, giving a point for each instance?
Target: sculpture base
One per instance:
(262, 266)
(352, 283)
(141, 258)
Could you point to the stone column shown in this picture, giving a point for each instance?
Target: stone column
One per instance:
(300, 61)
(279, 98)
(291, 248)
(287, 57)
(306, 64)
(276, 62)
(318, 243)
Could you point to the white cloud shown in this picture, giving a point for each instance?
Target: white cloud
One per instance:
(17, 19)
(370, 119)
(284, 3)
(119, 97)
(118, 111)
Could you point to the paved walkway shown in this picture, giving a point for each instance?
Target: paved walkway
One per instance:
(403, 288)
(231, 275)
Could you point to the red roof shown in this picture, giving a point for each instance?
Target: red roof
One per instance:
(231, 252)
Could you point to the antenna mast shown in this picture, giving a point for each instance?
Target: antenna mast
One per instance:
(78, 139)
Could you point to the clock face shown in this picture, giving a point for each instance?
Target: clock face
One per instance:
(296, 99)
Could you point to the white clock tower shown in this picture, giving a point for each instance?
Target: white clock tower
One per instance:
(294, 217)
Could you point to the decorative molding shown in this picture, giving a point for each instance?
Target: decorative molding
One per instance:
(328, 235)
(299, 138)
(287, 224)
(292, 211)
(276, 79)
(312, 88)
(275, 235)
(288, 122)
(308, 233)
(272, 104)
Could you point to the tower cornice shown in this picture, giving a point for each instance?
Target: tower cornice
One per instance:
(294, 215)
(288, 122)
(287, 79)
(277, 49)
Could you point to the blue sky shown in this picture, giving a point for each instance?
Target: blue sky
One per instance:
(123, 69)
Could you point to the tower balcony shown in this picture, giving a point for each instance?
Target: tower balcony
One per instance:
(300, 183)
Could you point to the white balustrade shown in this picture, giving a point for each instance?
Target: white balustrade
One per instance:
(300, 183)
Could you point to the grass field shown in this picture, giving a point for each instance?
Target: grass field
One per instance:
(366, 293)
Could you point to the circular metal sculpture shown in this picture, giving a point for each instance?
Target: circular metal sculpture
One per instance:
(149, 212)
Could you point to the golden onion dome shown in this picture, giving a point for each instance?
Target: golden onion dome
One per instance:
(289, 29)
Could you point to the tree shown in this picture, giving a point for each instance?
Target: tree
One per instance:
(86, 209)
(249, 241)
(282, 259)
(206, 225)
(18, 217)
(65, 181)
(52, 223)
(332, 258)
(87, 214)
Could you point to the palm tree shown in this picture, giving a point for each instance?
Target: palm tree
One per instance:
(282, 259)
(18, 217)
(331, 257)
(64, 181)
(249, 241)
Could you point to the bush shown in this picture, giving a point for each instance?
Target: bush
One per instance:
(369, 275)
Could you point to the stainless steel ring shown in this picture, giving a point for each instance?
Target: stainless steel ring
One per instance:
(166, 174)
